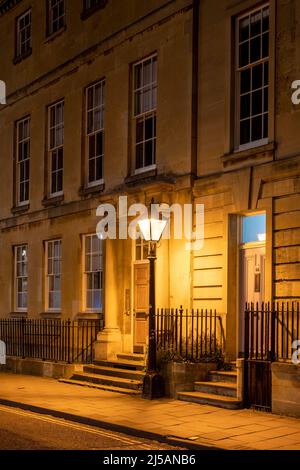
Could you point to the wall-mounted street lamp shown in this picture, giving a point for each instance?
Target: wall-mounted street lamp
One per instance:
(152, 229)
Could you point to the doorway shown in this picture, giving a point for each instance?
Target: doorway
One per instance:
(140, 296)
(252, 261)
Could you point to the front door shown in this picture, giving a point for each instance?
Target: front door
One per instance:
(252, 278)
(141, 306)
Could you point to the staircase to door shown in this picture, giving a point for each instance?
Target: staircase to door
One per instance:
(124, 375)
(219, 390)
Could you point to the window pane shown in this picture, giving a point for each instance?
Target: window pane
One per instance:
(245, 106)
(96, 244)
(96, 262)
(138, 103)
(244, 54)
(97, 299)
(99, 144)
(255, 26)
(59, 181)
(99, 174)
(145, 250)
(139, 156)
(266, 73)
(138, 76)
(257, 77)
(265, 21)
(138, 253)
(244, 29)
(245, 131)
(265, 45)
(147, 100)
(255, 49)
(92, 146)
(147, 73)
(253, 228)
(266, 123)
(245, 81)
(149, 128)
(92, 170)
(139, 131)
(256, 131)
(257, 102)
(149, 152)
(266, 99)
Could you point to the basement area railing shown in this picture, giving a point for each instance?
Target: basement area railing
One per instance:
(271, 330)
(52, 340)
(192, 335)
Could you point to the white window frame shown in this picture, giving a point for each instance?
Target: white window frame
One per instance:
(27, 31)
(17, 250)
(52, 274)
(143, 245)
(142, 115)
(86, 271)
(21, 161)
(92, 133)
(264, 141)
(55, 147)
(52, 5)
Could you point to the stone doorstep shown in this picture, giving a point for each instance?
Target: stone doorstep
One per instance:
(218, 388)
(113, 371)
(211, 399)
(108, 388)
(222, 375)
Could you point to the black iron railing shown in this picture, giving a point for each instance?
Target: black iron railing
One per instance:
(54, 340)
(271, 330)
(190, 334)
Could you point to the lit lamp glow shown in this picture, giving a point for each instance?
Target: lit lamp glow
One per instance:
(153, 384)
(152, 229)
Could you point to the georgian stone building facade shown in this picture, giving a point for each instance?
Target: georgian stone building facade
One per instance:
(184, 101)
(99, 104)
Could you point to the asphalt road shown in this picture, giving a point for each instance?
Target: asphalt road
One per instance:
(23, 430)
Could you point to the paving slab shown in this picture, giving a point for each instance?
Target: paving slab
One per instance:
(198, 426)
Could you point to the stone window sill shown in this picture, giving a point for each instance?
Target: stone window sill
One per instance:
(90, 11)
(51, 37)
(141, 176)
(50, 315)
(53, 201)
(89, 316)
(91, 191)
(22, 57)
(18, 210)
(18, 314)
(265, 152)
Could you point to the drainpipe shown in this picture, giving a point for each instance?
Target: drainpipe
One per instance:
(194, 110)
(195, 87)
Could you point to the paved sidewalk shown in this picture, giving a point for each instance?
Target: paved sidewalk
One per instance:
(167, 419)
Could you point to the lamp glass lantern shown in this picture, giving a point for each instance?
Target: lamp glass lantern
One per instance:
(152, 229)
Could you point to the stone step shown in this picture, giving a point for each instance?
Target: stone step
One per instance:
(227, 389)
(125, 365)
(109, 388)
(109, 381)
(223, 376)
(114, 372)
(131, 357)
(210, 399)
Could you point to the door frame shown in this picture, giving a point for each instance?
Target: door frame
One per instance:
(134, 262)
(241, 304)
(242, 246)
